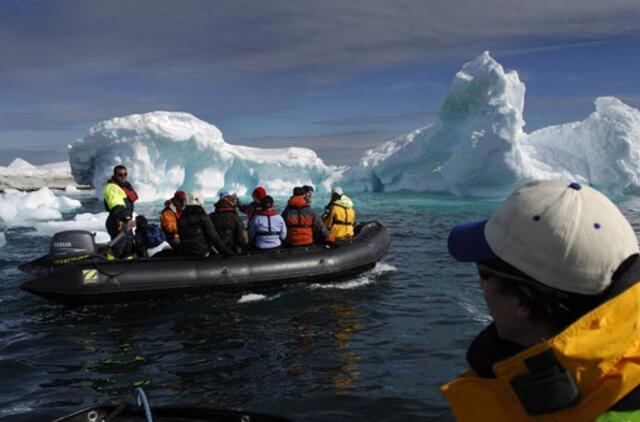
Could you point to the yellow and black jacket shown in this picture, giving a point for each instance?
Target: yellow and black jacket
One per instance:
(583, 374)
(340, 218)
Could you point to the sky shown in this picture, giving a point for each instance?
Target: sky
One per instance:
(335, 76)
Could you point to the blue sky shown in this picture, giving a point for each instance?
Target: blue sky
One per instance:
(334, 76)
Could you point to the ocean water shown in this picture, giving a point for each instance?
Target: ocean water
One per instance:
(376, 347)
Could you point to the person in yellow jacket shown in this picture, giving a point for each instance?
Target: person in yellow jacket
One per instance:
(559, 269)
(339, 216)
(119, 197)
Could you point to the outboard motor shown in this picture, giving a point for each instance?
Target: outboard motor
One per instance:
(72, 243)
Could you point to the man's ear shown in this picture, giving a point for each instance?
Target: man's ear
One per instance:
(522, 310)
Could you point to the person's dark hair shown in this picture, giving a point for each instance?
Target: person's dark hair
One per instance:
(117, 168)
(546, 303)
(266, 202)
(307, 188)
(298, 191)
(335, 196)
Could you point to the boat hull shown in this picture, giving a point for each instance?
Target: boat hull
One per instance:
(94, 281)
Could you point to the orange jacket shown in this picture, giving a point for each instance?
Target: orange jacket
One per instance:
(302, 223)
(169, 220)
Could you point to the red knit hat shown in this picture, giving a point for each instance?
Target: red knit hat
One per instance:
(180, 196)
(259, 193)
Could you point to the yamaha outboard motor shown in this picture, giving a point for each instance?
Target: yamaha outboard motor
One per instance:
(72, 243)
(66, 247)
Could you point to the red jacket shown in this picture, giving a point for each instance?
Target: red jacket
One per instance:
(302, 223)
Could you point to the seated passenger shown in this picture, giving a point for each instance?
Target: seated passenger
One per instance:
(169, 218)
(302, 223)
(267, 229)
(196, 231)
(308, 192)
(257, 195)
(227, 222)
(339, 216)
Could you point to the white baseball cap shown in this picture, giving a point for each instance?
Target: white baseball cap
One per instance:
(337, 190)
(566, 236)
(194, 198)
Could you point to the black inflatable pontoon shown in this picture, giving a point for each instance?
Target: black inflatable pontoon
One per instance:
(81, 277)
(131, 413)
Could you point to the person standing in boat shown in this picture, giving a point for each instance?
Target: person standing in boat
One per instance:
(267, 229)
(169, 218)
(119, 197)
(257, 195)
(227, 222)
(339, 217)
(559, 269)
(196, 231)
(303, 225)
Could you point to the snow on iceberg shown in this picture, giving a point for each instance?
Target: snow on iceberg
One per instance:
(167, 151)
(476, 145)
(24, 208)
(602, 150)
(464, 151)
(21, 174)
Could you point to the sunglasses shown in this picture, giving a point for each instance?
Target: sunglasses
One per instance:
(121, 174)
(485, 272)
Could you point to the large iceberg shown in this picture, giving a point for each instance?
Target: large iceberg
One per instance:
(477, 146)
(167, 151)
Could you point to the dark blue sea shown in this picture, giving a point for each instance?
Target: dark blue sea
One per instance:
(376, 347)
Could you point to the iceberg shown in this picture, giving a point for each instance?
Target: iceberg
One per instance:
(3, 240)
(22, 175)
(477, 146)
(19, 208)
(169, 151)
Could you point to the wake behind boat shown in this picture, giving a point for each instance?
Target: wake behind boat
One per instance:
(87, 278)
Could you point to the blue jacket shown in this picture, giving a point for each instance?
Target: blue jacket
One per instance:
(267, 229)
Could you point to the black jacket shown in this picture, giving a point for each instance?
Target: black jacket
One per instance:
(229, 225)
(197, 233)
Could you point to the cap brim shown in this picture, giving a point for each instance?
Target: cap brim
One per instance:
(467, 242)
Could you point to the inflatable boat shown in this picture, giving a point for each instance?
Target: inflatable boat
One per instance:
(75, 273)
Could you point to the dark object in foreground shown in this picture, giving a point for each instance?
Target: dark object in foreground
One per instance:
(131, 413)
(90, 279)
(127, 412)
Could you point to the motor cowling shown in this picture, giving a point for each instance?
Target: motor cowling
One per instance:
(72, 243)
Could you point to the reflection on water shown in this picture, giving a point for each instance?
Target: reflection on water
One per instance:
(347, 324)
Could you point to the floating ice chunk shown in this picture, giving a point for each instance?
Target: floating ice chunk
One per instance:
(251, 297)
(3, 240)
(85, 221)
(23, 209)
(169, 151)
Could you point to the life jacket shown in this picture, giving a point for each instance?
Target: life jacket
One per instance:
(114, 197)
(169, 220)
(299, 220)
(600, 353)
(270, 212)
(341, 218)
